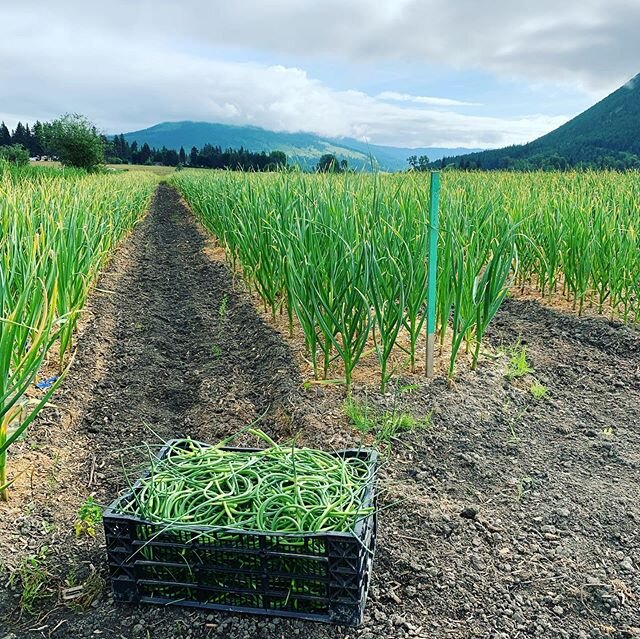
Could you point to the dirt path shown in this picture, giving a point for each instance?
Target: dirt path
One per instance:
(189, 356)
(507, 517)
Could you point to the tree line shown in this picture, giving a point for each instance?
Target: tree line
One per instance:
(75, 141)
(595, 159)
(30, 138)
(118, 150)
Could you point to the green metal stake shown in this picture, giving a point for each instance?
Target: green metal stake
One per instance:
(433, 267)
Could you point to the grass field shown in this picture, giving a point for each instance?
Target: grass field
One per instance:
(133, 168)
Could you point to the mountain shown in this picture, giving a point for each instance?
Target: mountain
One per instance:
(394, 158)
(302, 148)
(607, 135)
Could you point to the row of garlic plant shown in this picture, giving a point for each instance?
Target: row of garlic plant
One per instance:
(301, 240)
(577, 233)
(584, 241)
(347, 256)
(57, 228)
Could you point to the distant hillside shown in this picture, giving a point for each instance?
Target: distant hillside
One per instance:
(303, 148)
(394, 158)
(605, 136)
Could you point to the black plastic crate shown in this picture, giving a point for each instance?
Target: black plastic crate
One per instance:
(318, 576)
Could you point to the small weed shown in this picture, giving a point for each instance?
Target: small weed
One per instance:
(409, 388)
(360, 415)
(386, 425)
(222, 311)
(31, 577)
(79, 595)
(515, 438)
(72, 578)
(514, 421)
(216, 351)
(538, 390)
(394, 423)
(89, 516)
(518, 364)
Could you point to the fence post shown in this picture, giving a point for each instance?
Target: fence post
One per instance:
(434, 200)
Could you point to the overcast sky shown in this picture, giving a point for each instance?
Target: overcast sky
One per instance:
(403, 72)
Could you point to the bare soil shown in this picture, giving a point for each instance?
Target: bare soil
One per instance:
(505, 516)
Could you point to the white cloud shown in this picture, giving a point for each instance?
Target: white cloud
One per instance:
(136, 88)
(591, 43)
(423, 99)
(131, 64)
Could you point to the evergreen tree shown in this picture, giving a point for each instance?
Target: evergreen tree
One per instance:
(125, 149)
(28, 140)
(133, 152)
(171, 158)
(116, 147)
(277, 160)
(193, 156)
(145, 154)
(38, 138)
(182, 156)
(20, 135)
(5, 135)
